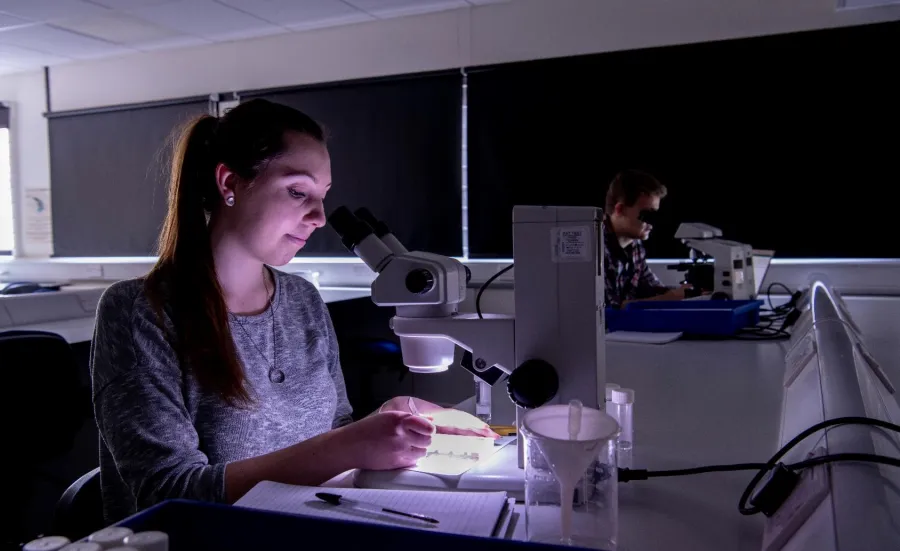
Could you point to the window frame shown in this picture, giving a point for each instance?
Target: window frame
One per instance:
(4, 125)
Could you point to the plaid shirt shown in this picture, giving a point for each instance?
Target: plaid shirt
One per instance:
(627, 275)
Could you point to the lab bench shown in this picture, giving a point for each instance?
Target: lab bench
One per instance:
(700, 403)
(70, 312)
(696, 403)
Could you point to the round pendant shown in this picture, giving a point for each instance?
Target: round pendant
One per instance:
(276, 376)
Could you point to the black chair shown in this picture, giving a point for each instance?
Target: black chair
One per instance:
(44, 405)
(79, 511)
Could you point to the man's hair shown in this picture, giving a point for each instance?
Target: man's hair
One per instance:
(628, 186)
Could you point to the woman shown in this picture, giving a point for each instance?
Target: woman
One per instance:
(216, 372)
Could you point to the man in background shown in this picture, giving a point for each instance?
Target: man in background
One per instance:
(631, 202)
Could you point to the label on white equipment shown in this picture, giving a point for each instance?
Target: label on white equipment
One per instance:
(571, 244)
(226, 106)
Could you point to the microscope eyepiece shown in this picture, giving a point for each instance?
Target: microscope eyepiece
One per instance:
(351, 229)
(381, 231)
(379, 227)
(358, 237)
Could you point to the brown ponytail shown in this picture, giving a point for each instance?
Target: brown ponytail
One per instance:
(183, 283)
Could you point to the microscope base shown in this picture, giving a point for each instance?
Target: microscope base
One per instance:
(499, 473)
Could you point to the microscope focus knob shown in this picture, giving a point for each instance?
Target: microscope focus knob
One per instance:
(419, 282)
(532, 384)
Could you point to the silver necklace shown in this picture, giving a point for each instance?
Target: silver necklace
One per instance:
(275, 375)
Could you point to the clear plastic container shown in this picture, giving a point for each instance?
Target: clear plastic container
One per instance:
(83, 546)
(482, 400)
(111, 537)
(571, 493)
(610, 409)
(49, 543)
(622, 406)
(148, 541)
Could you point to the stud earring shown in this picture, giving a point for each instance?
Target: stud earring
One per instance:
(229, 200)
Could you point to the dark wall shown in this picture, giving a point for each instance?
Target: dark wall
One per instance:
(109, 173)
(395, 148)
(394, 143)
(785, 142)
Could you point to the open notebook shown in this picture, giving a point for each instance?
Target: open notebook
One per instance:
(469, 513)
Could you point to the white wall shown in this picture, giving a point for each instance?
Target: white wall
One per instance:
(514, 31)
(29, 148)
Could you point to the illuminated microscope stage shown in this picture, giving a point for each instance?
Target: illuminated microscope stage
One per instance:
(498, 473)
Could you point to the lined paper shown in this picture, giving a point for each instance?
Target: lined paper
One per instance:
(468, 513)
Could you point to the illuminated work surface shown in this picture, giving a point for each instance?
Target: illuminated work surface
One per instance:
(696, 403)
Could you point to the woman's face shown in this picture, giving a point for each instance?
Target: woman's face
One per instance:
(274, 216)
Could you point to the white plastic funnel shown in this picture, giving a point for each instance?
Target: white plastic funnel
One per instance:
(569, 437)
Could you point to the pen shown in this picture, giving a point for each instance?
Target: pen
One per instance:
(336, 499)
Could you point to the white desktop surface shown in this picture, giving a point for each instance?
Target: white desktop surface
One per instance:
(68, 312)
(73, 330)
(696, 403)
(75, 317)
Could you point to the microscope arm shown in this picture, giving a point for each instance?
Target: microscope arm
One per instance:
(490, 340)
(698, 246)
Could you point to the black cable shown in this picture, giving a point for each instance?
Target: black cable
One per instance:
(627, 475)
(485, 286)
(796, 440)
(770, 320)
(832, 458)
(768, 317)
(769, 295)
(767, 333)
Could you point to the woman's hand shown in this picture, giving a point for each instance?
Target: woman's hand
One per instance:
(389, 440)
(447, 421)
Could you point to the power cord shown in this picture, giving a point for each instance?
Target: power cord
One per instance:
(628, 475)
(771, 463)
(783, 477)
(784, 314)
(761, 334)
(782, 307)
(485, 285)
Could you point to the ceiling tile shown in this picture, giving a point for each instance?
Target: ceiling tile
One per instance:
(130, 4)
(290, 13)
(50, 10)
(207, 19)
(349, 19)
(179, 41)
(24, 57)
(399, 8)
(7, 21)
(120, 28)
(45, 38)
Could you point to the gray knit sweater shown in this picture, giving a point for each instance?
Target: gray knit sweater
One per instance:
(163, 437)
